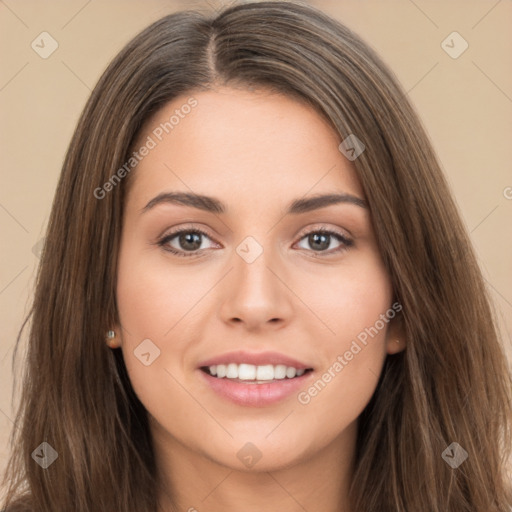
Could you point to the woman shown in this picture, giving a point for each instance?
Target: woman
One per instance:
(256, 290)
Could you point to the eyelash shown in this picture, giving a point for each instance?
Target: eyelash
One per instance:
(346, 242)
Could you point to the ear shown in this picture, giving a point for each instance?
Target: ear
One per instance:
(395, 336)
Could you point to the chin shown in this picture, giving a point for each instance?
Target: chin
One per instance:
(259, 454)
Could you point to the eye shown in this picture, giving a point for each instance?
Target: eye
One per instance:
(320, 240)
(188, 241)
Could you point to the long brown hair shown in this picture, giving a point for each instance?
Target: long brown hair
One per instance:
(451, 384)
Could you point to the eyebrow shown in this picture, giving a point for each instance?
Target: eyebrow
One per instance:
(213, 205)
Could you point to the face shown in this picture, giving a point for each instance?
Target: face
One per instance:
(286, 293)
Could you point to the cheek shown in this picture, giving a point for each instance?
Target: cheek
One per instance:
(355, 304)
(149, 309)
(160, 303)
(346, 300)
(146, 312)
(153, 296)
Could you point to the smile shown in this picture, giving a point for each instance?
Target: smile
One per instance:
(255, 386)
(252, 374)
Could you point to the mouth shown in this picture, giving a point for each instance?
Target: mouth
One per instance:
(255, 379)
(250, 385)
(253, 374)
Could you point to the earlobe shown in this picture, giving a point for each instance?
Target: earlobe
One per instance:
(396, 339)
(395, 345)
(112, 339)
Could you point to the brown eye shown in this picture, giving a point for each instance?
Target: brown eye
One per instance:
(320, 240)
(186, 240)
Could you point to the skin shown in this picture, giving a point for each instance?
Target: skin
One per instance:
(255, 151)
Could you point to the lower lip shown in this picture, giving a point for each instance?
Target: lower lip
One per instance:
(255, 395)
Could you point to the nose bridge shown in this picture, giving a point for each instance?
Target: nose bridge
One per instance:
(255, 295)
(252, 261)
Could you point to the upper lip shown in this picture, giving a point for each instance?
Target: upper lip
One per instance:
(255, 358)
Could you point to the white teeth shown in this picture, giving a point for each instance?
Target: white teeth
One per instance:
(265, 372)
(279, 371)
(247, 372)
(251, 372)
(232, 371)
(290, 372)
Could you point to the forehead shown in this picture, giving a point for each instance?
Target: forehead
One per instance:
(253, 143)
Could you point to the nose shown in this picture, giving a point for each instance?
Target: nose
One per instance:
(256, 295)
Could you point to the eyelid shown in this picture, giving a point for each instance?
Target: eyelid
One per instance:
(324, 227)
(185, 227)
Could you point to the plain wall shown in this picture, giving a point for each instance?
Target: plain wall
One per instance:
(465, 104)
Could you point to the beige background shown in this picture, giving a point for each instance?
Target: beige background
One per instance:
(465, 104)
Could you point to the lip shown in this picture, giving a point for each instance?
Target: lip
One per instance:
(255, 358)
(255, 395)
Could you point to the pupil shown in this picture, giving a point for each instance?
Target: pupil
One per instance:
(191, 241)
(314, 240)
